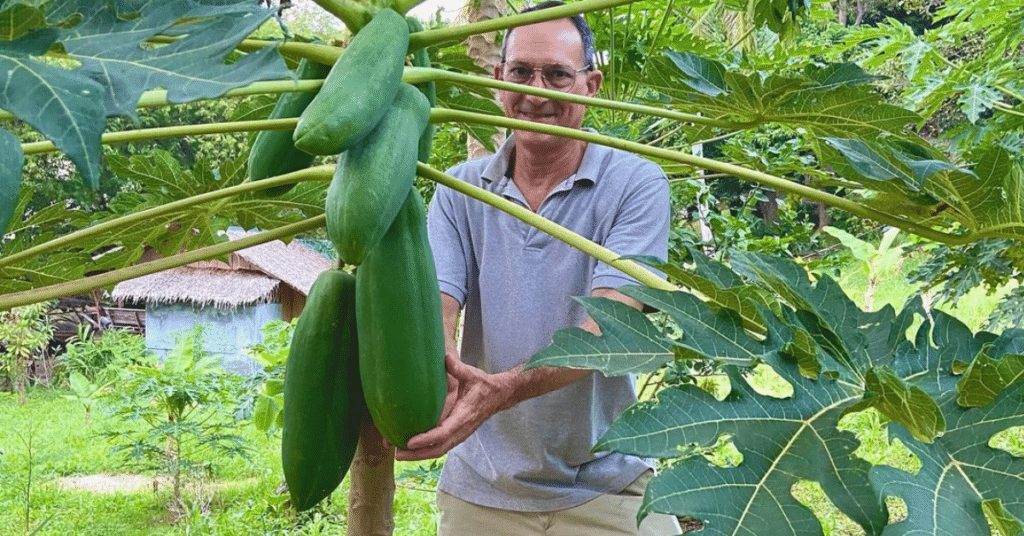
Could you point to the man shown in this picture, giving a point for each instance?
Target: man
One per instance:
(518, 441)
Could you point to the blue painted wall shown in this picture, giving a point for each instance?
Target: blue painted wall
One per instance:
(228, 330)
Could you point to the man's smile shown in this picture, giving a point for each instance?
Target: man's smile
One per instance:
(537, 116)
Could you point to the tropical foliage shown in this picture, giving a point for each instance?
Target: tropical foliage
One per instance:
(934, 149)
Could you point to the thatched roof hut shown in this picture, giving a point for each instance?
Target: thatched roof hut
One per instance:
(267, 273)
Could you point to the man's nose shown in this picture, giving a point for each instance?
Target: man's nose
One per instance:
(536, 80)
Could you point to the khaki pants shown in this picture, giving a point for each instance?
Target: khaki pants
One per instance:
(607, 515)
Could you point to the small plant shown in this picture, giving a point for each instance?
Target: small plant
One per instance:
(84, 392)
(24, 334)
(180, 412)
(101, 357)
(264, 403)
(25, 490)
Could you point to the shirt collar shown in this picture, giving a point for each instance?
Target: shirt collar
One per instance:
(593, 155)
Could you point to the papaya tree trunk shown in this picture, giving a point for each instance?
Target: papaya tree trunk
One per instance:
(371, 494)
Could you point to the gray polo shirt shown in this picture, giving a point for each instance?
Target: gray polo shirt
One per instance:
(516, 284)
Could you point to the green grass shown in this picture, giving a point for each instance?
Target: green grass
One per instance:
(238, 500)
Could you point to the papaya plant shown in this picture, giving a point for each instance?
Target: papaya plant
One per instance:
(946, 391)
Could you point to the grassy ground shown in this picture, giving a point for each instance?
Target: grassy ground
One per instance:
(47, 439)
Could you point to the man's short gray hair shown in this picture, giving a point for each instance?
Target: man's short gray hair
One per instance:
(586, 34)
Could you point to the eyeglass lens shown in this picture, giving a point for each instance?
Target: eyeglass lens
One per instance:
(556, 76)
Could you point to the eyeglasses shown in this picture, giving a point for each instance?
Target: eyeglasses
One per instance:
(555, 76)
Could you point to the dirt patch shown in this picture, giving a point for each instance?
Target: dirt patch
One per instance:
(109, 484)
(132, 483)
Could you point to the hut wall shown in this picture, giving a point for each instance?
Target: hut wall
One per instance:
(228, 330)
(292, 302)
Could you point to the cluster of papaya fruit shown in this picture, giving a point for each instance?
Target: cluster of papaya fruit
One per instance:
(373, 340)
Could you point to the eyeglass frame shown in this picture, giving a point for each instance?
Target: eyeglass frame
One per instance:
(547, 83)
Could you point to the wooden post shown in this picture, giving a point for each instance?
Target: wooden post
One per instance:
(371, 495)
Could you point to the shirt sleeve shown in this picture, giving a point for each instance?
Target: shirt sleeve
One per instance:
(448, 232)
(640, 227)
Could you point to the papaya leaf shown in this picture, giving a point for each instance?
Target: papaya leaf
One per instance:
(876, 161)
(69, 103)
(986, 377)
(65, 105)
(11, 160)
(40, 227)
(840, 74)
(860, 339)
(161, 180)
(457, 97)
(999, 518)
(977, 98)
(782, 441)
(992, 197)
(111, 47)
(630, 344)
(703, 75)
(960, 473)
(906, 404)
(831, 102)
(19, 18)
(867, 359)
(722, 286)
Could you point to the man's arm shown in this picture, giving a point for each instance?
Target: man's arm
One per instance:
(474, 395)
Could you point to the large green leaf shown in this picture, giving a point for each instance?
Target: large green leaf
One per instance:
(998, 366)
(65, 105)
(161, 180)
(158, 179)
(110, 46)
(782, 441)
(987, 200)
(17, 18)
(977, 98)
(701, 74)
(11, 160)
(631, 343)
(832, 101)
(961, 476)
(866, 359)
(68, 103)
(38, 228)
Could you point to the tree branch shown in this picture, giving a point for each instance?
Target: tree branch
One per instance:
(417, 75)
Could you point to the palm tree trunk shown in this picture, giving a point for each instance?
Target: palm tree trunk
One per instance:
(485, 51)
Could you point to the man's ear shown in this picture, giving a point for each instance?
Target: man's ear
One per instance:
(594, 79)
(497, 71)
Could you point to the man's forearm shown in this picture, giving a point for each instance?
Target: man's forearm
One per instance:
(521, 384)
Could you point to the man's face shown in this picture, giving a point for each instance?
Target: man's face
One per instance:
(554, 42)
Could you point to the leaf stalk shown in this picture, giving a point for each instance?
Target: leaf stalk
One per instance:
(417, 75)
(439, 36)
(176, 131)
(599, 252)
(440, 115)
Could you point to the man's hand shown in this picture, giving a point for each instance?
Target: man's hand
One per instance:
(473, 397)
